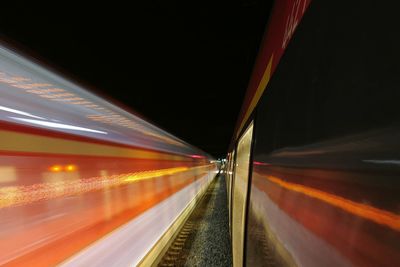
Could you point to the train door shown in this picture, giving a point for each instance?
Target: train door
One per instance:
(240, 189)
(230, 183)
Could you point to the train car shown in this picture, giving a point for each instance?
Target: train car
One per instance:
(83, 182)
(314, 165)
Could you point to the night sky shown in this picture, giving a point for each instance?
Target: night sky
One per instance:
(183, 66)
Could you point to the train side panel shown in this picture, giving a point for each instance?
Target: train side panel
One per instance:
(324, 187)
(75, 168)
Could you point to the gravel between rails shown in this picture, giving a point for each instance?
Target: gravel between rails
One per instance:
(205, 239)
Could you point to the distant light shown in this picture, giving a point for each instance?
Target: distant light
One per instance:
(58, 125)
(70, 168)
(55, 168)
(20, 112)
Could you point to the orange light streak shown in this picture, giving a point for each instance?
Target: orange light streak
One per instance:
(376, 215)
(21, 195)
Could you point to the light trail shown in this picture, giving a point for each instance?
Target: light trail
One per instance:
(21, 195)
(382, 217)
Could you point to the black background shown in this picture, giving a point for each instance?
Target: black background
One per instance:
(183, 66)
(339, 76)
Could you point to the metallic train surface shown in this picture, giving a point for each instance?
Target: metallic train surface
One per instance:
(314, 165)
(82, 181)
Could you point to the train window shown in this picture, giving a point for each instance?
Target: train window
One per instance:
(240, 184)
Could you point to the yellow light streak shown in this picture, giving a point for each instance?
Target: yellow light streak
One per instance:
(22, 195)
(153, 174)
(257, 95)
(24, 142)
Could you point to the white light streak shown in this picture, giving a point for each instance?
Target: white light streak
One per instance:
(58, 125)
(381, 161)
(20, 112)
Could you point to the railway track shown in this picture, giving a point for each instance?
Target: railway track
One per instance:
(183, 246)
